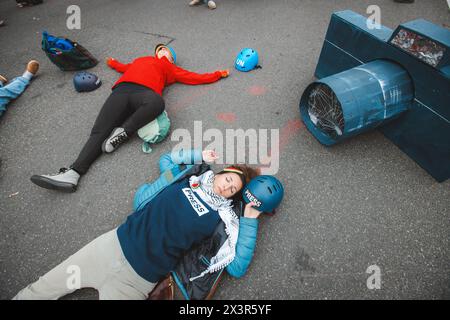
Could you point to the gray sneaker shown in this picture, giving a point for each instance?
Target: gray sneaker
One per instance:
(117, 137)
(66, 180)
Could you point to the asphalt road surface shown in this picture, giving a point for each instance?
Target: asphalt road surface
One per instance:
(360, 203)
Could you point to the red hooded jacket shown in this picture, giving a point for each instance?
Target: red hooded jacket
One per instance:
(156, 73)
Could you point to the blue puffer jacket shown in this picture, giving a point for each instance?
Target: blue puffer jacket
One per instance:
(172, 167)
(181, 165)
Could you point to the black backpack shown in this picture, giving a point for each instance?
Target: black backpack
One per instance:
(71, 56)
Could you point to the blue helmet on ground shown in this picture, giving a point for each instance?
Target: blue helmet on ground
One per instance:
(265, 191)
(172, 52)
(246, 60)
(85, 81)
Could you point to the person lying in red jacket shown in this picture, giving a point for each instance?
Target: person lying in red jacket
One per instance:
(135, 101)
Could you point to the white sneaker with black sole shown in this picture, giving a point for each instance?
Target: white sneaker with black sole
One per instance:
(117, 137)
(66, 180)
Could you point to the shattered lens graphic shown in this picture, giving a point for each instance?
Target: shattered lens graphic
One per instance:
(325, 111)
(426, 50)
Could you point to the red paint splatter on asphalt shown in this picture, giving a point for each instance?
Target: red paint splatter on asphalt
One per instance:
(291, 128)
(257, 90)
(288, 132)
(187, 100)
(227, 117)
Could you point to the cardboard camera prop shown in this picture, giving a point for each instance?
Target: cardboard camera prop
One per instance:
(397, 80)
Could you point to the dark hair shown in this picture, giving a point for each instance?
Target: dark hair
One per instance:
(248, 173)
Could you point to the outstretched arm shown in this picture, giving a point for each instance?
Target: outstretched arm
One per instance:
(180, 156)
(114, 64)
(148, 190)
(188, 77)
(168, 162)
(245, 247)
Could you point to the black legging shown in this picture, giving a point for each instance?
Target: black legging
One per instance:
(130, 106)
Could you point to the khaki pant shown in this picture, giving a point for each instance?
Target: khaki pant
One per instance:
(100, 265)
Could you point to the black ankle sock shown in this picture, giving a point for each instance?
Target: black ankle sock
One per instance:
(75, 170)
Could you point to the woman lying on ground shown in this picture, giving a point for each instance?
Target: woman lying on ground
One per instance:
(135, 101)
(177, 212)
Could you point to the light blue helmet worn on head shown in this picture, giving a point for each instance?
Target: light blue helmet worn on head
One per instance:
(246, 60)
(172, 52)
(265, 191)
(85, 81)
(174, 55)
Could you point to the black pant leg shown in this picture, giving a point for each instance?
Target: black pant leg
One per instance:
(113, 113)
(147, 106)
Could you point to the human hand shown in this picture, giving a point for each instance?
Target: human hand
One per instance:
(209, 156)
(109, 60)
(250, 212)
(224, 73)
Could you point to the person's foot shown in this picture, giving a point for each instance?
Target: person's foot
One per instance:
(117, 137)
(66, 180)
(211, 5)
(2, 23)
(33, 67)
(27, 3)
(194, 2)
(3, 79)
